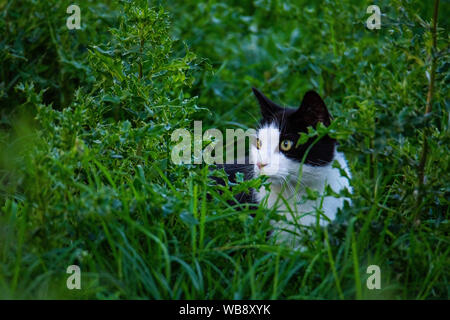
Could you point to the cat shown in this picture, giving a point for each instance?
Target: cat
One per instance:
(277, 156)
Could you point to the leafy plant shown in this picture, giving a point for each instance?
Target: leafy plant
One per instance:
(85, 143)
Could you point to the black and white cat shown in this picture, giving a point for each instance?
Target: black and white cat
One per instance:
(276, 156)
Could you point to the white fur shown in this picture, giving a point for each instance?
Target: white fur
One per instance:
(283, 174)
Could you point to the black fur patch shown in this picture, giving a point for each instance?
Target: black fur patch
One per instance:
(231, 170)
(292, 121)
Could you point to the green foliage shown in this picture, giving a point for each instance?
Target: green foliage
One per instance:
(86, 119)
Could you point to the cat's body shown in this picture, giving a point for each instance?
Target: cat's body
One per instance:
(277, 156)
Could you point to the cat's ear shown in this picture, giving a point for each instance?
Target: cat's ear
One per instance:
(313, 110)
(268, 107)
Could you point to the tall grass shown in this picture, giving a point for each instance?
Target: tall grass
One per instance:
(85, 170)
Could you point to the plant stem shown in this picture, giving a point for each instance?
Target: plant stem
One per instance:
(141, 44)
(423, 157)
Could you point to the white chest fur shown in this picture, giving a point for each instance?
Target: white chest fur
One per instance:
(292, 202)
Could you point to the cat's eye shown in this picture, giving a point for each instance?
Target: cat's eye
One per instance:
(258, 144)
(286, 145)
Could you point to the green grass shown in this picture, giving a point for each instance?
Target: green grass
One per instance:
(85, 171)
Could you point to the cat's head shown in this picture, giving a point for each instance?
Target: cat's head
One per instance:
(275, 153)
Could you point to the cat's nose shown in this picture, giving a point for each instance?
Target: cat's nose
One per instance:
(261, 165)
